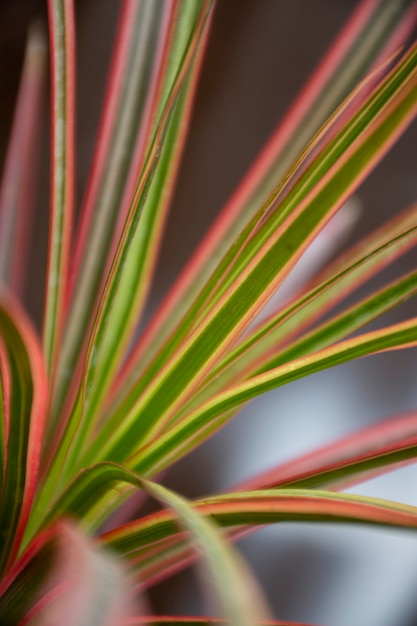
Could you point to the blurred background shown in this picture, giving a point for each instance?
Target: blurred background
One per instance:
(259, 55)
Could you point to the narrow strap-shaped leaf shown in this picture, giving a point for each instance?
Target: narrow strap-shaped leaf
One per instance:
(180, 438)
(18, 187)
(82, 495)
(5, 390)
(27, 404)
(346, 323)
(267, 507)
(273, 343)
(127, 100)
(61, 21)
(152, 620)
(353, 459)
(140, 263)
(234, 588)
(63, 578)
(342, 278)
(227, 573)
(177, 380)
(355, 48)
(231, 266)
(118, 304)
(18, 588)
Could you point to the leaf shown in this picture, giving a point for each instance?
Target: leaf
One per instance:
(353, 459)
(18, 187)
(144, 542)
(18, 589)
(130, 88)
(276, 342)
(61, 19)
(356, 458)
(63, 578)
(5, 390)
(179, 439)
(354, 50)
(228, 576)
(111, 330)
(152, 620)
(272, 252)
(25, 391)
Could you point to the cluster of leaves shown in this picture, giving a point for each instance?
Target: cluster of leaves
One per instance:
(83, 425)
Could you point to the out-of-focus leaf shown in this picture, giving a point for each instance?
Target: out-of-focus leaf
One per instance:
(152, 620)
(18, 187)
(20, 586)
(5, 390)
(226, 572)
(25, 391)
(146, 544)
(63, 578)
(61, 21)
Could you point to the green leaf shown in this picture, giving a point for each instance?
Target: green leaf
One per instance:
(230, 581)
(63, 578)
(61, 19)
(357, 46)
(276, 341)
(229, 577)
(25, 392)
(151, 620)
(123, 290)
(5, 391)
(354, 459)
(129, 91)
(278, 244)
(146, 544)
(179, 439)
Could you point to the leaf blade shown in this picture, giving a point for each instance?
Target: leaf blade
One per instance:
(61, 20)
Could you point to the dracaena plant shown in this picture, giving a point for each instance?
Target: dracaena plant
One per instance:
(90, 413)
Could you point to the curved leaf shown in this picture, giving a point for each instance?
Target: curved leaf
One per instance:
(176, 441)
(355, 48)
(157, 397)
(27, 403)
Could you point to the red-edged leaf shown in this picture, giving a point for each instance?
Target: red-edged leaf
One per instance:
(205, 419)
(156, 549)
(27, 405)
(152, 620)
(63, 578)
(353, 459)
(334, 77)
(61, 21)
(18, 187)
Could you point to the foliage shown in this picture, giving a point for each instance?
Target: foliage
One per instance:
(90, 414)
